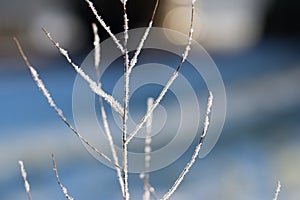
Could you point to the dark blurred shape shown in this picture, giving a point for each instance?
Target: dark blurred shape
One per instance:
(282, 18)
(139, 14)
(68, 21)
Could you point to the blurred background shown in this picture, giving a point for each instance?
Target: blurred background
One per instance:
(254, 43)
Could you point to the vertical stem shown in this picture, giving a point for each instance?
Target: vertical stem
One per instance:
(277, 190)
(126, 97)
(26, 184)
(102, 109)
(147, 151)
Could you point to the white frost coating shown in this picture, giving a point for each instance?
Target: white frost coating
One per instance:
(63, 188)
(148, 136)
(65, 191)
(125, 102)
(140, 46)
(59, 112)
(112, 146)
(53, 105)
(103, 24)
(24, 175)
(102, 109)
(195, 154)
(46, 93)
(96, 88)
(125, 27)
(96, 46)
(188, 47)
(277, 190)
(206, 120)
(150, 111)
(173, 77)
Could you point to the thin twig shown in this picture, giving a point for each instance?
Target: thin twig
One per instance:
(195, 154)
(103, 24)
(144, 37)
(24, 175)
(277, 190)
(96, 88)
(58, 111)
(147, 151)
(97, 50)
(102, 109)
(125, 111)
(170, 81)
(150, 188)
(63, 188)
(149, 112)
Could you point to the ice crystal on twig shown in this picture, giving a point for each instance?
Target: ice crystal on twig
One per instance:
(24, 175)
(63, 188)
(96, 88)
(58, 111)
(102, 110)
(277, 190)
(195, 154)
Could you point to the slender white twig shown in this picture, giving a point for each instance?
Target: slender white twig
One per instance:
(97, 49)
(144, 37)
(125, 102)
(103, 24)
(149, 112)
(63, 188)
(150, 188)
(195, 154)
(140, 46)
(170, 81)
(24, 175)
(147, 150)
(102, 109)
(277, 190)
(96, 88)
(58, 111)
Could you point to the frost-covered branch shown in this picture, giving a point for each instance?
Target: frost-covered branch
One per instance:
(24, 175)
(277, 190)
(125, 103)
(63, 188)
(103, 24)
(97, 49)
(150, 189)
(96, 88)
(170, 81)
(58, 111)
(195, 154)
(102, 109)
(147, 151)
(143, 39)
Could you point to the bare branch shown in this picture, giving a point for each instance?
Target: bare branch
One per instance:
(102, 110)
(58, 111)
(196, 152)
(147, 151)
(24, 175)
(125, 102)
(277, 190)
(97, 50)
(150, 189)
(170, 81)
(145, 35)
(96, 88)
(150, 111)
(63, 188)
(103, 24)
